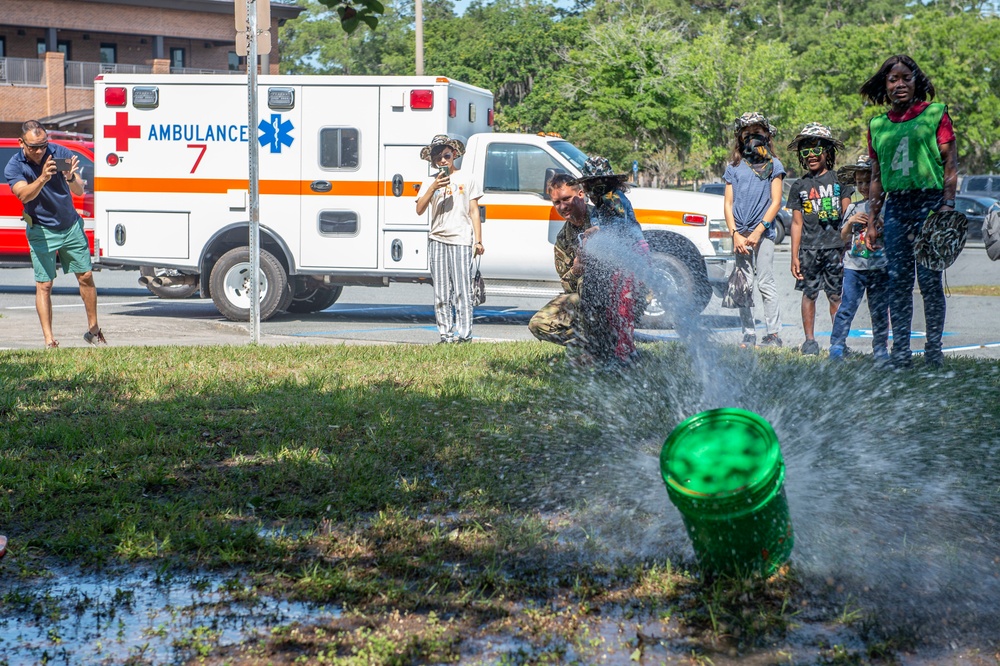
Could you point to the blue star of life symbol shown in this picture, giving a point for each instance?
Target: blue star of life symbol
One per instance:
(275, 132)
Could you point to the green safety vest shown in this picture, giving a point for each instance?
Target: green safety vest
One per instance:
(908, 153)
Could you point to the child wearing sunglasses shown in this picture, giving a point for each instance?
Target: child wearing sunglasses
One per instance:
(817, 201)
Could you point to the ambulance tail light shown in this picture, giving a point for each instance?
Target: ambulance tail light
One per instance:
(721, 239)
(421, 99)
(694, 220)
(452, 107)
(489, 118)
(114, 96)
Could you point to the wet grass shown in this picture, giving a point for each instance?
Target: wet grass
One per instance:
(437, 496)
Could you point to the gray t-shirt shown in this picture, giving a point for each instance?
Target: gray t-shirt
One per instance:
(751, 195)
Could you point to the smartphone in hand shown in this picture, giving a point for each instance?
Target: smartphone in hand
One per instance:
(444, 171)
(64, 163)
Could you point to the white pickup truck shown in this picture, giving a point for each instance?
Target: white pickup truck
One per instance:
(339, 170)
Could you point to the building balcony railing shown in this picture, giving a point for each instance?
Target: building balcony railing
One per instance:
(22, 71)
(82, 74)
(31, 71)
(201, 70)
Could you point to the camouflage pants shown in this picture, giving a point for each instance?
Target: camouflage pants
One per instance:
(558, 321)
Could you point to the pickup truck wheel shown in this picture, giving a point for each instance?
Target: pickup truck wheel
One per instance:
(679, 285)
(230, 284)
(779, 231)
(167, 291)
(313, 298)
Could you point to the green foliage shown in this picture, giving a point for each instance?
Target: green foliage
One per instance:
(661, 81)
(351, 17)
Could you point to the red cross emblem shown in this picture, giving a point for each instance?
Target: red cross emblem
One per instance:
(121, 131)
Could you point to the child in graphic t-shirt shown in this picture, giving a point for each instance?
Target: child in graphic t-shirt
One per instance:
(817, 201)
(864, 271)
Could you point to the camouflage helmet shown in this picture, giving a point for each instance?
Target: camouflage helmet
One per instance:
(597, 173)
(752, 118)
(816, 131)
(942, 238)
(845, 174)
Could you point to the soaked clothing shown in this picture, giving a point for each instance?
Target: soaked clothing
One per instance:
(612, 296)
(559, 320)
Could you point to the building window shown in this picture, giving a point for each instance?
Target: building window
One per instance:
(234, 61)
(3, 47)
(338, 148)
(109, 53)
(177, 57)
(62, 46)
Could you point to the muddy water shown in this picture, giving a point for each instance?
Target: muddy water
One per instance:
(75, 617)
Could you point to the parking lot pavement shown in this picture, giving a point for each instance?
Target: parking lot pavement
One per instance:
(402, 313)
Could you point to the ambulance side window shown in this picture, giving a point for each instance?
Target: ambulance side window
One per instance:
(338, 223)
(338, 148)
(512, 167)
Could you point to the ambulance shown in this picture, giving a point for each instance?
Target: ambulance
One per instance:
(339, 171)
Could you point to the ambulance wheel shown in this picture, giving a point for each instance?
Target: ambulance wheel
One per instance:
(171, 291)
(230, 283)
(313, 298)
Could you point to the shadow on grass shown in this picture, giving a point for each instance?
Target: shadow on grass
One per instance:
(489, 484)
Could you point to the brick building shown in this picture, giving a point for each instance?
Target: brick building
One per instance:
(51, 50)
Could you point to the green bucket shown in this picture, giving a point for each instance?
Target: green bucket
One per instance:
(724, 473)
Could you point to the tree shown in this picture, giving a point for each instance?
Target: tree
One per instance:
(315, 43)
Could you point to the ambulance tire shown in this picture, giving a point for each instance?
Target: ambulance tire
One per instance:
(174, 291)
(680, 287)
(314, 299)
(230, 283)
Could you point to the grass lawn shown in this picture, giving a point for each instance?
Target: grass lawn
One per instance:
(486, 503)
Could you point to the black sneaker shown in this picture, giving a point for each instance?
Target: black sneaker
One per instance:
(749, 341)
(810, 347)
(771, 340)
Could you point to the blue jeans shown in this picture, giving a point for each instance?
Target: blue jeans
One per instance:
(856, 283)
(905, 213)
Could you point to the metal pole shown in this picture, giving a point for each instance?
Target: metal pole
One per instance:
(254, 177)
(419, 23)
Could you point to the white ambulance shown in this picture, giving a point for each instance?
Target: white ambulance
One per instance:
(339, 170)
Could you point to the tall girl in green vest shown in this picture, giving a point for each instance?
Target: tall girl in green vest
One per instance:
(914, 172)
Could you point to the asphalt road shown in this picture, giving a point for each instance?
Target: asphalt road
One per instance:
(402, 313)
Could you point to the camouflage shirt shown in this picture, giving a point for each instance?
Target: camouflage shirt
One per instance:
(566, 248)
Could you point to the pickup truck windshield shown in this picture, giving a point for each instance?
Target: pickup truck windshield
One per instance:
(575, 156)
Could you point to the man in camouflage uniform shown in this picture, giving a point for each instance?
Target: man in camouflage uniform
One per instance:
(559, 320)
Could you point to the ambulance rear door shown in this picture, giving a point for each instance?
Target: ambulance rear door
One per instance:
(340, 177)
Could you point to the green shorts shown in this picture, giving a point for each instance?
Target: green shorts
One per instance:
(71, 244)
